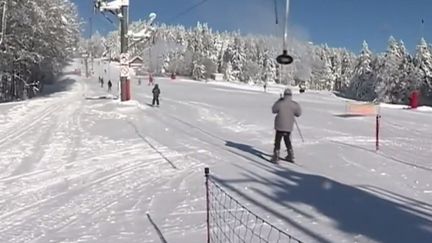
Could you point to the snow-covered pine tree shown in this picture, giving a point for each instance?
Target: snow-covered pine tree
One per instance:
(328, 73)
(228, 72)
(269, 67)
(96, 49)
(304, 64)
(200, 52)
(336, 68)
(238, 58)
(363, 80)
(321, 69)
(408, 77)
(423, 60)
(40, 37)
(196, 46)
(389, 73)
(347, 69)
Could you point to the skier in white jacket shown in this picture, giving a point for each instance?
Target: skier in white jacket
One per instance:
(286, 110)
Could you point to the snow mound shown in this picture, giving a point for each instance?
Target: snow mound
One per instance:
(400, 107)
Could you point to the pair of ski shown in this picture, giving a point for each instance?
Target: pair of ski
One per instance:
(276, 160)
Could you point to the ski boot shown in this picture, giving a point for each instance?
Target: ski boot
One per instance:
(290, 156)
(275, 158)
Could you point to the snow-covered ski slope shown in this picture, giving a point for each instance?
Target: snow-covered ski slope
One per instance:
(78, 167)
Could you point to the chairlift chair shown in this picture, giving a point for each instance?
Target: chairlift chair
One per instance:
(284, 58)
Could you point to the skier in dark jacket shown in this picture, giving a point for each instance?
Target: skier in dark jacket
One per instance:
(286, 110)
(109, 85)
(302, 88)
(156, 93)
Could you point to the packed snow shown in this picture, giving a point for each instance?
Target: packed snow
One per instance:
(77, 165)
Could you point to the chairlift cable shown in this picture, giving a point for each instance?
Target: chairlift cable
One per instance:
(285, 59)
(108, 19)
(187, 10)
(103, 14)
(286, 25)
(276, 12)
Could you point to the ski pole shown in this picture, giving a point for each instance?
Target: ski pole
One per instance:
(298, 129)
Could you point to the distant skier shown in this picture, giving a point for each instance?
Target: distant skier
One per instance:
(286, 110)
(265, 87)
(156, 92)
(101, 82)
(302, 88)
(151, 80)
(109, 85)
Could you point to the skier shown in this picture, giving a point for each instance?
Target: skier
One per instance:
(265, 87)
(156, 93)
(151, 81)
(109, 85)
(101, 82)
(302, 88)
(286, 110)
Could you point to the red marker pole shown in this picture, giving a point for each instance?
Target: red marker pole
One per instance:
(207, 172)
(377, 130)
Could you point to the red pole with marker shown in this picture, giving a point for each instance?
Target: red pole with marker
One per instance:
(377, 131)
(207, 172)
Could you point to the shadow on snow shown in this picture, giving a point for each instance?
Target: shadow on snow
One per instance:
(359, 210)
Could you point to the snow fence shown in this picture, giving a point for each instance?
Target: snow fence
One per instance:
(229, 221)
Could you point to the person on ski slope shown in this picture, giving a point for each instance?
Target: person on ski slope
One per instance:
(286, 110)
(109, 85)
(151, 80)
(156, 93)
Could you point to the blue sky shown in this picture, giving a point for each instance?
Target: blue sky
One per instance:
(340, 23)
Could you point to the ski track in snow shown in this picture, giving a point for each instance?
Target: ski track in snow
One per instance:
(73, 180)
(396, 165)
(75, 168)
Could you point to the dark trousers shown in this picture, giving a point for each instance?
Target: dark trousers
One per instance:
(278, 137)
(155, 100)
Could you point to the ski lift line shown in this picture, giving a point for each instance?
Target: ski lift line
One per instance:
(422, 28)
(276, 12)
(108, 19)
(188, 10)
(285, 59)
(91, 27)
(103, 14)
(286, 25)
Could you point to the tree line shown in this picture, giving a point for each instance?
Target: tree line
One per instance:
(38, 39)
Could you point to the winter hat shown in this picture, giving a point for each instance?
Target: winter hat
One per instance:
(287, 92)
